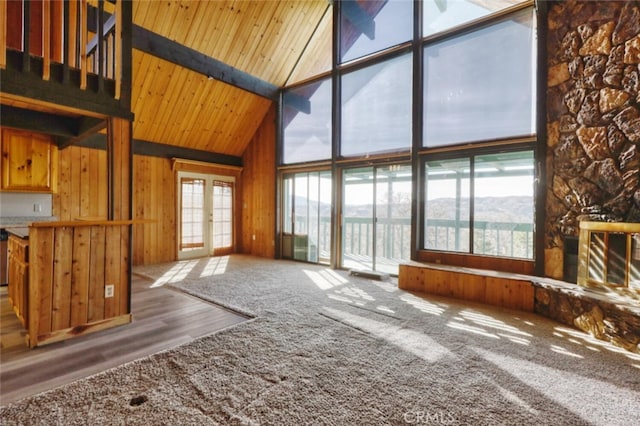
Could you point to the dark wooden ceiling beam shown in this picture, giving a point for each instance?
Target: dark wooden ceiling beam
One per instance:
(26, 119)
(66, 130)
(85, 127)
(153, 149)
(176, 53)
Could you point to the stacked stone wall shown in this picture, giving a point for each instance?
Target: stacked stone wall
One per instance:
(593, 119)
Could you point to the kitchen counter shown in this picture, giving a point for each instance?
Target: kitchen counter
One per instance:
(18, 231)
(24, 221)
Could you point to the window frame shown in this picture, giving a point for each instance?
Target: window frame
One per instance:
(417, 153)
(471, 27)
(510, 146)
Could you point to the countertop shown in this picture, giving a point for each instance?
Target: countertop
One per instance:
(18, 231)
(19, 225)
(24, 221)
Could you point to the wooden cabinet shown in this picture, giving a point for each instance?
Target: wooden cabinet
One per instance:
(19, 277)
(28, 161)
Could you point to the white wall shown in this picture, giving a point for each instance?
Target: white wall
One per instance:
(24, 204)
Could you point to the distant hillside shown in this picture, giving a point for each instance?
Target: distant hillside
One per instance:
(517, 209)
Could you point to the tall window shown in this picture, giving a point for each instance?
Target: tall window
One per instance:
(307, 123)
(496, 190)
(376, 108)
(480, 85)
(454, 90)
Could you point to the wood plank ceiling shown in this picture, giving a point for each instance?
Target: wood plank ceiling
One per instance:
(275, 41)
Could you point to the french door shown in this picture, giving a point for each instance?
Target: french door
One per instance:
(376, 217)
(205, 215)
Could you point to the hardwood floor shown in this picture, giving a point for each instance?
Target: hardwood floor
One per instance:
(162, 318)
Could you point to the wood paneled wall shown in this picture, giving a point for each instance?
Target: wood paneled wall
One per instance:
(259, 191)
(119, 165)
(83, 188)
(83, 193)
(154, 198)
(82, 184)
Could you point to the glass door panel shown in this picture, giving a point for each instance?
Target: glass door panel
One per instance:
(379, 196)
(222, 217)
(324, 217)
(205, 215)
(307, 217)
(393, 217)
(192, 217)
(357, 218)
(301, 221)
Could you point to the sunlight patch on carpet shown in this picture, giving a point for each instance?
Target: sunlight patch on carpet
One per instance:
(515, 399)
(414, 342)
(564, 351)
(423, 305)
(577, 393)
(177, 273)
(580, 338)
(472, 329)
(215, 266)
(325, 279)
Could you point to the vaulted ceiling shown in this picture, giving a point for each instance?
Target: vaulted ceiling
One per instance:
(278, 42)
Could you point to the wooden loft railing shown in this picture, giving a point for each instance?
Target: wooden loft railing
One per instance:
(71, 41)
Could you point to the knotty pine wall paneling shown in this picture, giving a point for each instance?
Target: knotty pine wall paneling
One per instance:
(259, 190)
(82, 184)
(154, 198)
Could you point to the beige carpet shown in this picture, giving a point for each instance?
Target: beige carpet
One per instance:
(328, 348)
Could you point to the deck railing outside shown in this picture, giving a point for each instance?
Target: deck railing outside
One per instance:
(394, 237)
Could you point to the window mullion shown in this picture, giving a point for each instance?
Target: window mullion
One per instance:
(472, 180)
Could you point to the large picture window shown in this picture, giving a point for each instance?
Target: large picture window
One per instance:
(481, 85)
(481, 204)
(432, 102)
(307, 123)
(376, 108)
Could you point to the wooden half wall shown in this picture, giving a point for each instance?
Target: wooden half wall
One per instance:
(78, 279)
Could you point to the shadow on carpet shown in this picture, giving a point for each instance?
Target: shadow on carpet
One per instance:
(329, 348)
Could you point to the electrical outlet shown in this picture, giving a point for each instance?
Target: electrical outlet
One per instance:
(108, 290)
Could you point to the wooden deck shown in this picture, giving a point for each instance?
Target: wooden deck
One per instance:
(162, 318)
